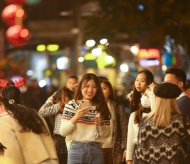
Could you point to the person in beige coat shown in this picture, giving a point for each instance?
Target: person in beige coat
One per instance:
(23, 133)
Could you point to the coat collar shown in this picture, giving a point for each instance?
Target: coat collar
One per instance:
(4, 113)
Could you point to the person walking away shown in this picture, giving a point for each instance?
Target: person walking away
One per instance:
(24, 133)
(161, 131)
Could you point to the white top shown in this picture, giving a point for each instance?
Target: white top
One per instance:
(85, 129)
(132, 136)
(109, 140)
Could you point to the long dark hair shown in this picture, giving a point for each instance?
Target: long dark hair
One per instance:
(98, 99)
(27, 117)
(109, 85)
(136, 95)
(62, 96)
(61, 93)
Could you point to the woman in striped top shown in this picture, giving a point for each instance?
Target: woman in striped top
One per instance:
(84, 128)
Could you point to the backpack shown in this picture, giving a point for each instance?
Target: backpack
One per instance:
(183, 150)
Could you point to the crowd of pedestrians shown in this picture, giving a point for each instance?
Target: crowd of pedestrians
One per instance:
(84, 122)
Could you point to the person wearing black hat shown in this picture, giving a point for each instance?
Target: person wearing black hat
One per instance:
(160, 131)
(178, 76)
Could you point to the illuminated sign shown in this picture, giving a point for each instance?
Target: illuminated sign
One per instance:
(149, 57)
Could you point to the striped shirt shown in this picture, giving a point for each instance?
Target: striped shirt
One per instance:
(85, 130)
(51, 109)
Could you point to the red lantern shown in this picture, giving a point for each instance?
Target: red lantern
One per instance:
(17, 35)
(18, 2)
(11, 14)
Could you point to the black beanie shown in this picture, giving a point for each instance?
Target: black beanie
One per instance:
(167, 90)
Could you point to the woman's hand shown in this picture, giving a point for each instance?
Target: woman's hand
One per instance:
(124, 156)
(80, 112)
(98, 119)
(129, 162)
(151, 86)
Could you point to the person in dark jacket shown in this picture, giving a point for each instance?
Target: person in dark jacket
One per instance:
(115, 144)
(178, 77)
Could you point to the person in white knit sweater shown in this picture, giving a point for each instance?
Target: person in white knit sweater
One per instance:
(84, 128)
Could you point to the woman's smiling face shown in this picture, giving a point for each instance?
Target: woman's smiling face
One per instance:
(89, 89)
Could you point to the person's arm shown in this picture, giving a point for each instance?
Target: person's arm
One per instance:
(66, 127)
(79, 113)
(103, 126)
(49, 108)
(68, 124)
(123, 126)
(124, 157)
(130, 139)
(8, 138)
(129, 162)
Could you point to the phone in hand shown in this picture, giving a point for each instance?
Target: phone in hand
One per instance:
(84, 104)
